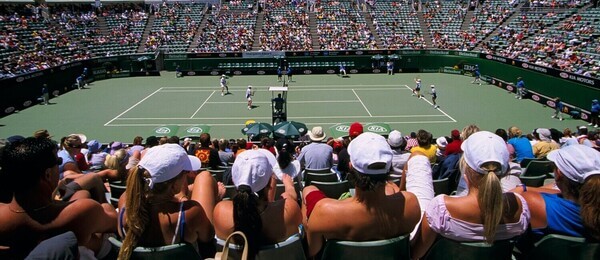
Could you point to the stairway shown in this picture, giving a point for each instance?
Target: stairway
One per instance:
(467, 20)
(424, 30)
(202, 25)
(103, 26)
(147, 30)
(260, 21)
(312, 18)
(369, 20)
(515, 15)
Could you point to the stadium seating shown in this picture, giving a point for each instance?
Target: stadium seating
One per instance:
(394, 248)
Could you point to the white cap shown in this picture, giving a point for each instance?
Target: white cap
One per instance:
(317, 134)
(433, 86)
(482, 147)
(576, 161)
(370, 154)
(395, 139)
(441, 142)
(544, 134)
(253, 168)
(167, 161)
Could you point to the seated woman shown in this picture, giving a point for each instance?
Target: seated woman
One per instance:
(573, 210)
(253, 210)
(115, 166)
(152, 215)
(485, 213)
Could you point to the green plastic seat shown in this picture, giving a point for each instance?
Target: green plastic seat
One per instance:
(332, 189)
(564, 247)
(448, 249)
(175, 251)
(289, 249)
(393, 248)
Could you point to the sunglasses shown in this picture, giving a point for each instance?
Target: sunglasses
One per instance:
(77, 146)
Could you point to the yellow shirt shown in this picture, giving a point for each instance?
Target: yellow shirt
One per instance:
(430, 152)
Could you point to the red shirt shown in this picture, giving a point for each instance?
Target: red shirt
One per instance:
(453, 147)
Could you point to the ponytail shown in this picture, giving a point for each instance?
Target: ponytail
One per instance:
(137, 213)
(589, 199)
(246, 217)
(490, 201)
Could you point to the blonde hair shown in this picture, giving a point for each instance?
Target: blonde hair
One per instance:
(138, 198)
(468, 131)
(115, 160)
(489, 195)
(514, 131)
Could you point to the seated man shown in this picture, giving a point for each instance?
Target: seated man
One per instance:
(374, 215)
(31, 167)
(278, 104)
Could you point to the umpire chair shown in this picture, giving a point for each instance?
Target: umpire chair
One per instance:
(278, 104)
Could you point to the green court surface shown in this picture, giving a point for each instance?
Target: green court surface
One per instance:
(120, 109)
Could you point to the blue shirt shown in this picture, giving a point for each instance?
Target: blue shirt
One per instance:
(66, 158)
(477, 72)
(522, 147)
(595, 107)
(316, 156)
(562, 216)
(520, 84)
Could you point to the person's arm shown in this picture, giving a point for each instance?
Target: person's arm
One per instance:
(205, 193)
(290, 190)
(423, 239)
(536, 204)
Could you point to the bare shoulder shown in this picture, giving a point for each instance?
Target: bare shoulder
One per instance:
(223, 218)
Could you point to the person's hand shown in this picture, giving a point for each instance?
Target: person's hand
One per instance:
(287, 179)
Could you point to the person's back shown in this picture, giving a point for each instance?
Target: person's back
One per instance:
(523, 148)
(252, 210)
(316, 155)
(375, 215)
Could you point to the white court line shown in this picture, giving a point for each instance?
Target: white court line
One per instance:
(107, 123)
(423, 98)
(307, 123)
(296, 117)
(362, 103)
(289, 90)
(291, 86)
(197, 110)
(289, 102)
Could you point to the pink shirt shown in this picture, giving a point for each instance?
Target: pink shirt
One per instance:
(442, 223)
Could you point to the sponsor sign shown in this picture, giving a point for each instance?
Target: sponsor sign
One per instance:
(353, 71)
(330, 71)
(191, 73)
(27, 103)
(261, 72)
(9, 110)
(237, 72)
(214, 73)
(307, 71)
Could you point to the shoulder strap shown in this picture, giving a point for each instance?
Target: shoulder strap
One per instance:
(180, 225)
(225, 253)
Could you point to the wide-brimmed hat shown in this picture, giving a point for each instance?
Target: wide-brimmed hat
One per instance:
(317, 134)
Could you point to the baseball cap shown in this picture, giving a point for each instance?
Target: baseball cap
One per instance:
(576, 161)
(370, 154)
(441, 142)
(317, 134)
(395, 139)
(253, 168)
(482, 147)
(167, 161)
(455, 134)
(356, 129)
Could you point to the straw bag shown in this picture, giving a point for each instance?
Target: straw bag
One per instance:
(225, 254)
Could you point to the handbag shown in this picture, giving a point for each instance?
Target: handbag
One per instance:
(224, 255)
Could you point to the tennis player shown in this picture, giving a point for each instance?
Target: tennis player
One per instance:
(224, 86)
(433, 96)
(249, 94)
(417, 90)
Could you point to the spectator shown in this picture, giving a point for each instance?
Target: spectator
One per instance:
(343, 167)
(424, 139)
(316, 155)
(400, 156)
(286, 163)
(482, 214)
(31, 168)
(252, 210)
(521, 144)
(224, 156)
(154, 189)
(545, 145)
(207, 155)
(454, 146)
(572, 209)
(326, 218)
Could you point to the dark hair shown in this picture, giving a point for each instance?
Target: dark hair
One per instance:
(25, 161)
(502, 133)
(285, 157)
(556, 135)
(151, 141)
(138, 140)
(246, 217)
(424, 138)
(173, 140)
(367, 182)
(241, 143)
(204, 140)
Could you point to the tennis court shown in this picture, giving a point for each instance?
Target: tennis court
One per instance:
(119, 109)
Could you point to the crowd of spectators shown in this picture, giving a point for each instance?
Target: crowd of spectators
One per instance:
(227, 32)
(170, 176)
(285, 27)
(36, 37)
